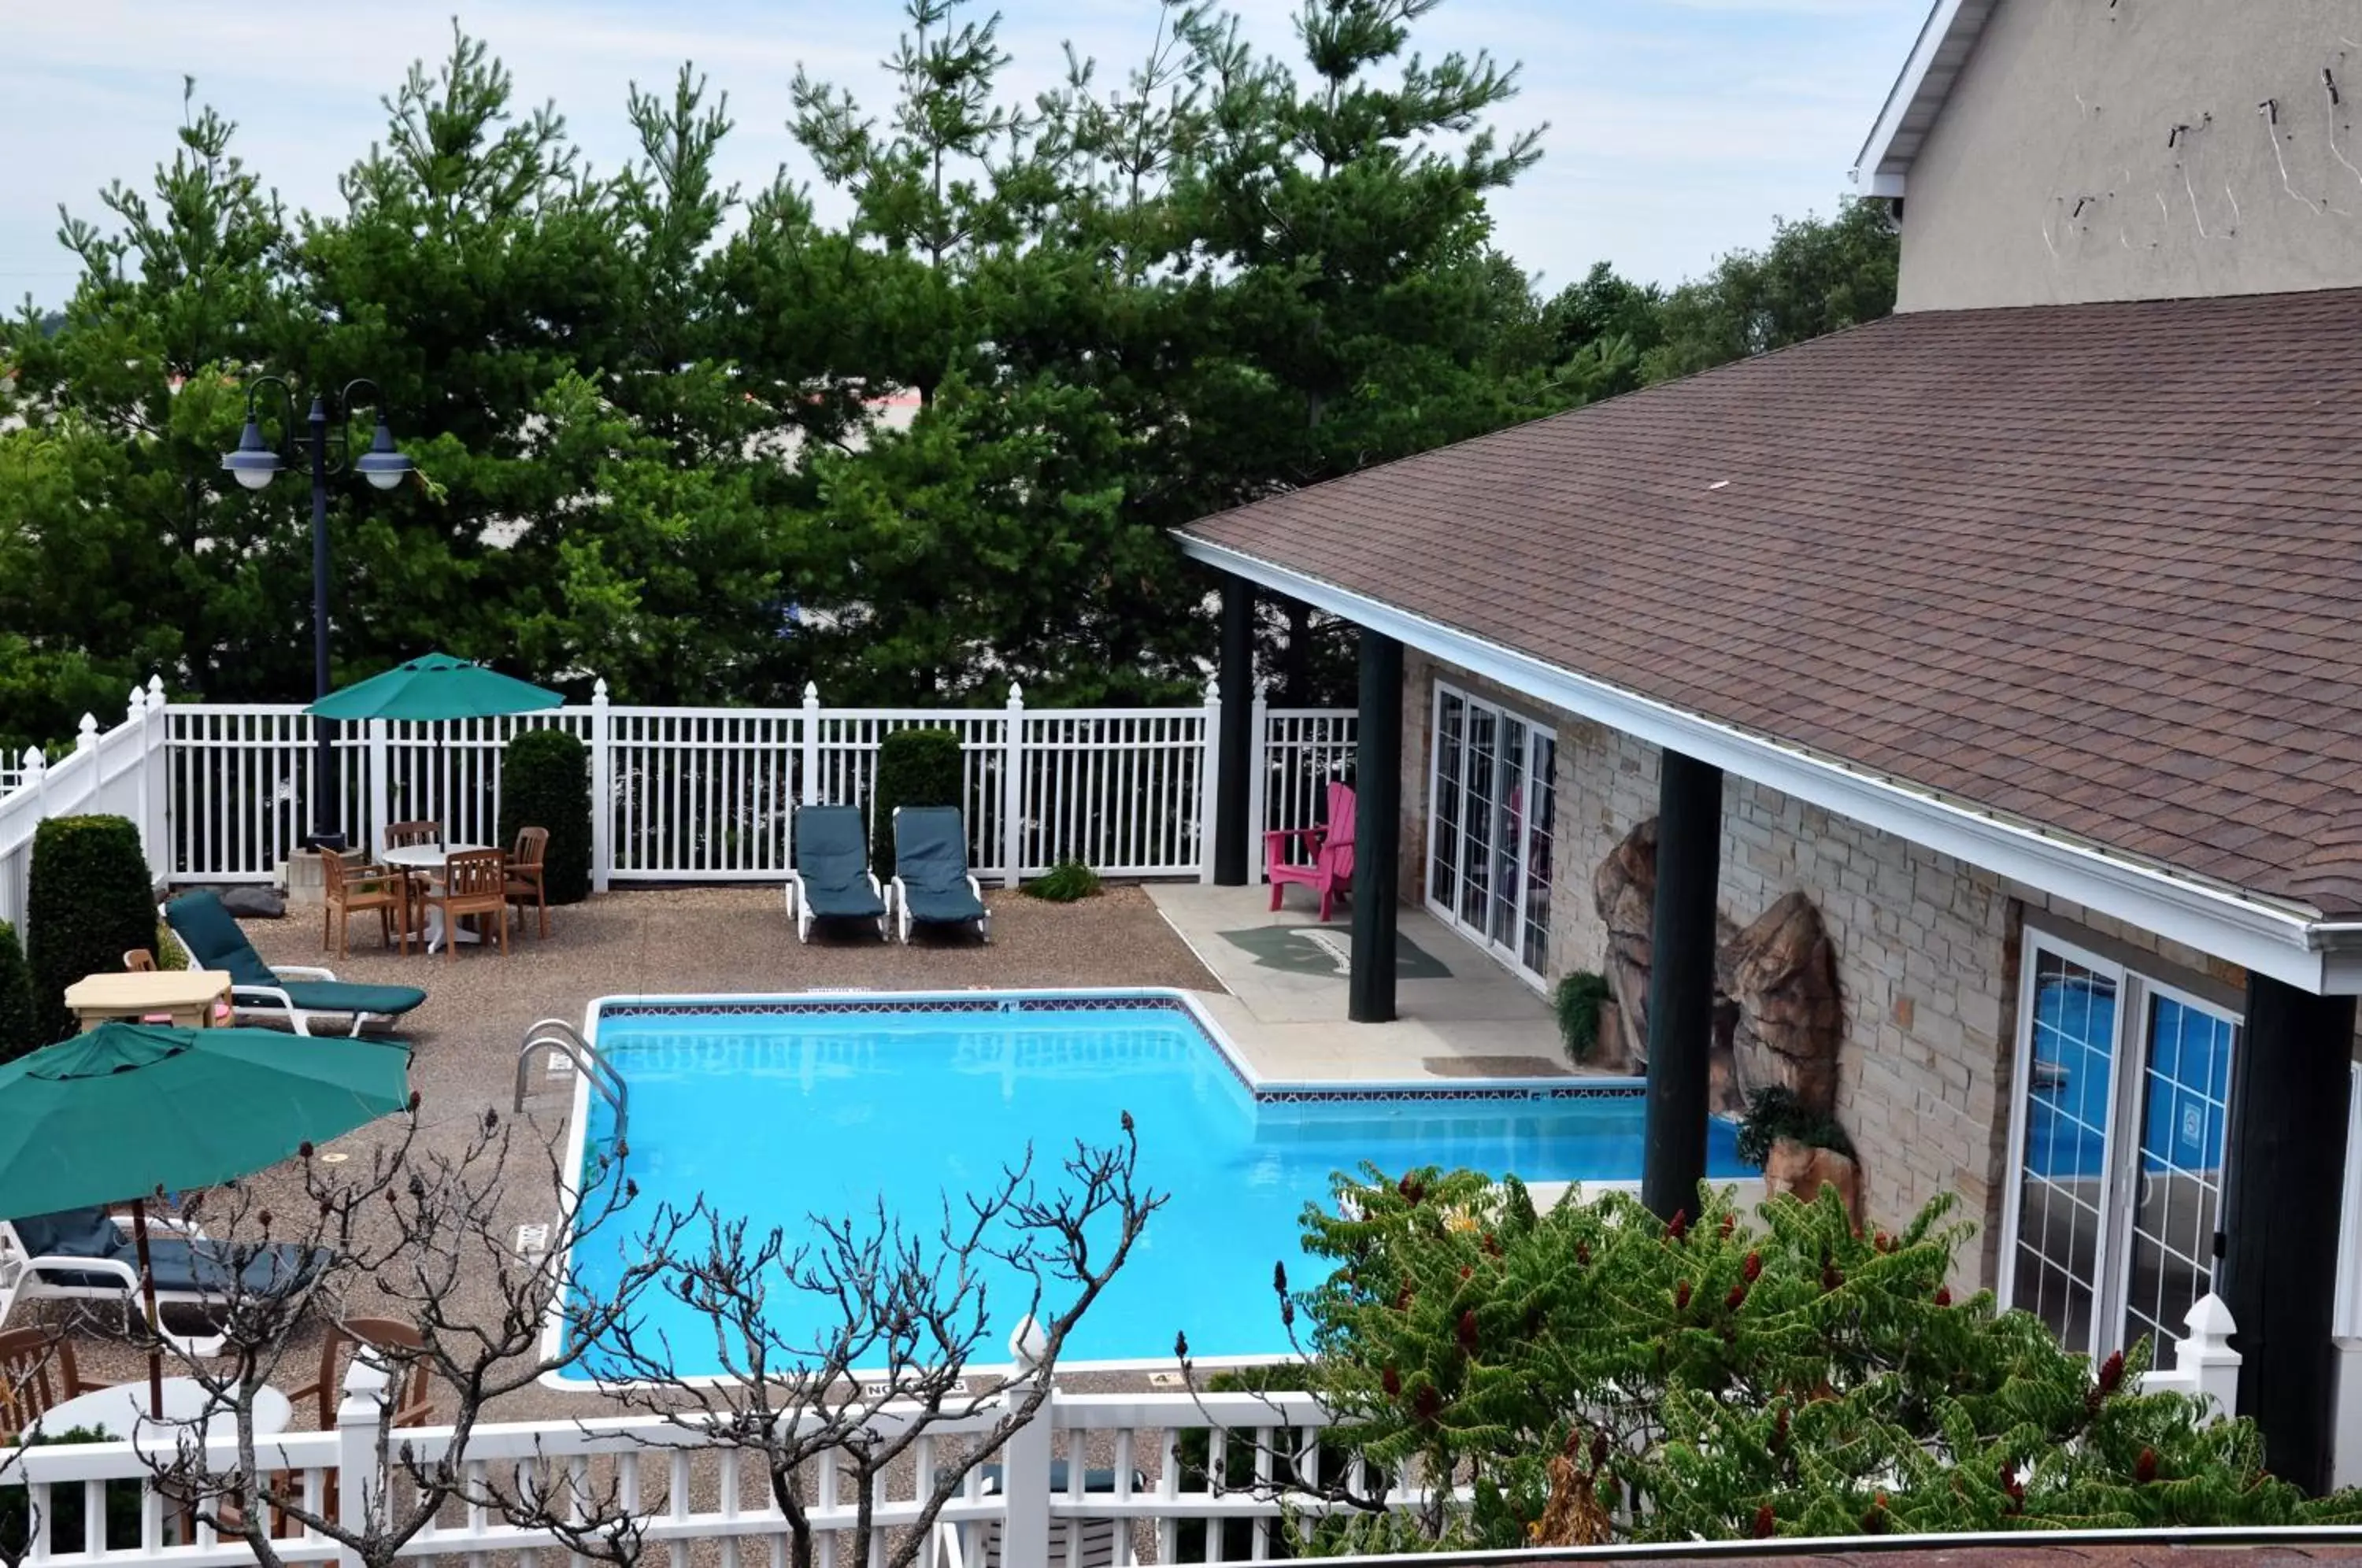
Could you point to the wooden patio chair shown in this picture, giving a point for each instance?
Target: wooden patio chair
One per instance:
(414, 1392)
(475, 882)
(525, 866)
(1327, 868)
(401, 836)
(36, 1373)
(348, 893)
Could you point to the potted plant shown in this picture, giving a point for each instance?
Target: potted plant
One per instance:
(1801, 1150)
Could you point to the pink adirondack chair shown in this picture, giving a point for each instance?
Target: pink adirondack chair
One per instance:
(1328, 866)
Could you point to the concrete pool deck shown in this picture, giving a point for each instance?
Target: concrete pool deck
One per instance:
(1281, 996)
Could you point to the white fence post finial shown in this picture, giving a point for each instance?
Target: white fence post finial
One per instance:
(603, 791)
(86, 734)
(2203, 1361)
(1025, 1461)
(1013, 790)
(812, 795)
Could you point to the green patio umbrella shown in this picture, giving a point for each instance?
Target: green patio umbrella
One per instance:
(432, 688)
(130, 1108)
(436, 686)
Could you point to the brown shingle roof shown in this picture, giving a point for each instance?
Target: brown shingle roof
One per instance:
(2095, 566)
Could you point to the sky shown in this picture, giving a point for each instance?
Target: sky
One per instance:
(1677, 129)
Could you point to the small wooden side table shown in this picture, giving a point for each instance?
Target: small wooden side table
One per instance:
(188, 995)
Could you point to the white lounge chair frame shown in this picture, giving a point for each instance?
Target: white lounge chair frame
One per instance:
(799, 908)
(250, 1002)
(20, 1280)
(898, 905)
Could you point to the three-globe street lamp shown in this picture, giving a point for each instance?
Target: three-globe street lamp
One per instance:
(254, 465)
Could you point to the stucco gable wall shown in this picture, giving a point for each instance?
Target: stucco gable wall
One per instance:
(2055, 173)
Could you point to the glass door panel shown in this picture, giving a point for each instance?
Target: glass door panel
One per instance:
(1443, 836)
(1489, 827)
(1543, 787)
(1508, 836)
(2185, 1093)
(1476, 857)
(2062, 1167)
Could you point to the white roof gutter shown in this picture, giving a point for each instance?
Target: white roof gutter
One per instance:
(2285, 941)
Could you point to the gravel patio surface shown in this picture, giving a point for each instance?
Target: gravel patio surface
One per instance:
(700, 940)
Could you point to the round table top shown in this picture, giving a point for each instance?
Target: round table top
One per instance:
(123, 1412)
(426, 856)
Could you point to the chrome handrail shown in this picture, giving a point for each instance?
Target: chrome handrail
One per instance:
(557, 1034)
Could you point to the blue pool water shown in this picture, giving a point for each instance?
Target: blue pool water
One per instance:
(785, 1113)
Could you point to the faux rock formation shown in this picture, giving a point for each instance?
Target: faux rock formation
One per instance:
(1624, 890)
(1783, 973)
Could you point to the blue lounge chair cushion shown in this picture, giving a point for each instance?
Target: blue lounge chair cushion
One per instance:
(212, 936)
(930, 857)
(68, 1233)
(832, 858)
(178, 1264)
(344, 996)
(190, 1266)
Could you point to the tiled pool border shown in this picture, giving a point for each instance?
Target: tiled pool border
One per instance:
(1263, 1091)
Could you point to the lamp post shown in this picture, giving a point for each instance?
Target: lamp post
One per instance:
(254, 465)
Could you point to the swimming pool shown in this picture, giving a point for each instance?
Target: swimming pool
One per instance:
(781, 1107)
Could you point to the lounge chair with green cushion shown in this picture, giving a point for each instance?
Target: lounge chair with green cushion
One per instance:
(295, 995)
(832, 880)
(931, 885)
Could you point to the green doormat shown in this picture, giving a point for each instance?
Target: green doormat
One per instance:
(1327, 950)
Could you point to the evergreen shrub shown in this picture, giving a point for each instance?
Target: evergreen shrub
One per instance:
(546, 783)
(915, 767)
(20, 1032)
(1775, 1113)
(88, 900)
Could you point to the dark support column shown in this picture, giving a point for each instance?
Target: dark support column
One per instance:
(1377, 831)
(1232, 832)
(1680, 982)
(2284, 1171)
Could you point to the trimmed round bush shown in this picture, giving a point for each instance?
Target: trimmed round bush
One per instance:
(88, 900)
(915, 767)
(546, 783)
(19, 1033)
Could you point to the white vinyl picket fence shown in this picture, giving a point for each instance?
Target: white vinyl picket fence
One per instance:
(224, 792)
(1181, 1477)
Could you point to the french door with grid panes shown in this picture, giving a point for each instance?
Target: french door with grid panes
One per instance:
(2117, 1140)
(1492, 794)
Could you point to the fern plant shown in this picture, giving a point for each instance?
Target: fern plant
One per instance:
(1577, 1000)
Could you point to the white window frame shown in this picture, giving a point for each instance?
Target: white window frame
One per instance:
(1510, 956)
(2127, 1078)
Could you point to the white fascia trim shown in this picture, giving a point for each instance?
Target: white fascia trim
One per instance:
(2280, 942)
(1899, 99)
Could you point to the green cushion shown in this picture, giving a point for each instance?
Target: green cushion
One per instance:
(212, 938)
(343, 995)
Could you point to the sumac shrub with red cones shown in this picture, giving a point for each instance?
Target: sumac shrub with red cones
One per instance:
(1591, 1368)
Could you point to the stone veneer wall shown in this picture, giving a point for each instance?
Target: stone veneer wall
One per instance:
(1926, 950)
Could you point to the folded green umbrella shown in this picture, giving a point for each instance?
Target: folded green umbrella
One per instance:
(129, 1107)
(436, 686)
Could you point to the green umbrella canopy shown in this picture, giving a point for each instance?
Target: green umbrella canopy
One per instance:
(434, 685)
(127, 1108)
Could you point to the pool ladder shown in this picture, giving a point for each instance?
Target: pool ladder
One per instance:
(557, 1034)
